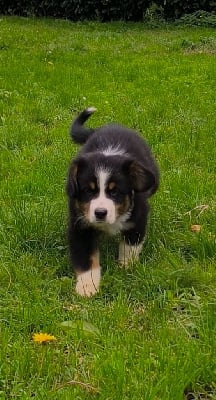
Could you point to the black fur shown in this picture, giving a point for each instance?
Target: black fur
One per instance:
(134, 172)
(79, 134)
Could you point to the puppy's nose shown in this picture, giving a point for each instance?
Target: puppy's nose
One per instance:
(100, 214)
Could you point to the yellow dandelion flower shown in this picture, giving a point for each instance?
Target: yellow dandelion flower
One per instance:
(43, 337)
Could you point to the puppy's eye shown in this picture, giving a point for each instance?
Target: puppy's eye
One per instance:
(113, 192)
(91, 188)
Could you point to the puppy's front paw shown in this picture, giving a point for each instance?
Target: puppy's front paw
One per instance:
(88, 282)
(128, 254)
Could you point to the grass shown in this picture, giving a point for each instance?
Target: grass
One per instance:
(150, 332)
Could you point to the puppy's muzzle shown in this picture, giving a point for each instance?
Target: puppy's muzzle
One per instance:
(100, 214)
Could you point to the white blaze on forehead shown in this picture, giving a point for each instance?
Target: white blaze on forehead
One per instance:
(102, 201)
(113, 151)
(102, 176)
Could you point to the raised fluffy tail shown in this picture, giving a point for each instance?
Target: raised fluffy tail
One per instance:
(78, 132)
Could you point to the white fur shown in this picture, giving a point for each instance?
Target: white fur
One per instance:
(88, 282)
(102, 201)
(128, 253)
(91, 110)
(113, 151)
(119, 225)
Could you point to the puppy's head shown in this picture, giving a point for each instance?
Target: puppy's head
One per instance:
(103, 187)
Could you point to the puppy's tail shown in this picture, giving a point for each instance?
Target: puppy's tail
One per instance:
(78, 132)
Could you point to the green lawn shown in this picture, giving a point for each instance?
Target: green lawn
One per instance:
(152, 328)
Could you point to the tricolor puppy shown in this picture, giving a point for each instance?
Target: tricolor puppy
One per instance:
(108, 187)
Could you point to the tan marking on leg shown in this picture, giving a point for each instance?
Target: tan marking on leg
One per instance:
(128, 254)
(88, 282)
(95, 260)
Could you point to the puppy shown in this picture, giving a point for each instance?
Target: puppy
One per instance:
(108, 187)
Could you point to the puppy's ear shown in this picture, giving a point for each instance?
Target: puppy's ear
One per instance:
(141, 178)
(72, 184)
(72, 187)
